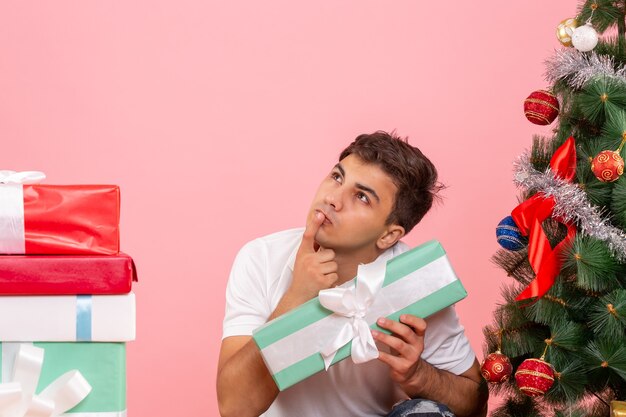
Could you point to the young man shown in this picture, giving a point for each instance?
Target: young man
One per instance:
(378, 191)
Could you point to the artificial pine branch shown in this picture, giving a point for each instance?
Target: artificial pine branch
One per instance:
(542, 150)
(618, 203)
(602, 98)
(570, 380)
(596, 269)
(515, 264)
(566, 335)
(614, 129)
(555, 305)
(606, 362)
(607, 315)
(605, 14)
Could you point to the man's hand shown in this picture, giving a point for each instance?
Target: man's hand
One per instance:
(407, 345)
(465, 394)
(315, 268)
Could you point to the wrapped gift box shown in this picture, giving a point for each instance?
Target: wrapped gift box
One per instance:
(66, 274)
(418, 282)
(66, 318)
(102, 364)
(618, 408)
(59, 219)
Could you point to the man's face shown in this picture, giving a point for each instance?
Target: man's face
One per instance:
(356, 198)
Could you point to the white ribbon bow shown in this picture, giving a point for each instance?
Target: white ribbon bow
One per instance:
(24, 177)
(18, 399)
(352, 303)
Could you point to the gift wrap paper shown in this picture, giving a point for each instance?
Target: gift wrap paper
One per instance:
(61, 318)
(418, 282)
(59, 219)
(66, 274)
(102, 364)
(618, 408)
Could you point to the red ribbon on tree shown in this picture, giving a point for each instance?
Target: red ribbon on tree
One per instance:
(545, 260)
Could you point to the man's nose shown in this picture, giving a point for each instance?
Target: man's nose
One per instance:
(334, 198)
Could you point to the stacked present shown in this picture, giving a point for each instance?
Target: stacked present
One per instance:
(66, 306)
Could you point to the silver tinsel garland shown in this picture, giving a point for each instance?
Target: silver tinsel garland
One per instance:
(571, 205)
(576, 68)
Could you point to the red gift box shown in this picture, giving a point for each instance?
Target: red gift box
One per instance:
(66, 274)
(71, 219)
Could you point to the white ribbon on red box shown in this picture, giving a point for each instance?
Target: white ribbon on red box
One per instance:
(23, 177)
(12, 239)
(18, 399)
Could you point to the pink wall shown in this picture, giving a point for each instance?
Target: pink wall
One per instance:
(218, 120)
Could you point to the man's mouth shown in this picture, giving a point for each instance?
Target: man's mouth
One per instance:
(327, 219)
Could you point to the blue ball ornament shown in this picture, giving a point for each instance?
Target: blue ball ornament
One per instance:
(509, 235)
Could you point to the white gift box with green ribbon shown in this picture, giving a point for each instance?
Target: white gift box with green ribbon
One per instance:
(103, 366)
(336, 324)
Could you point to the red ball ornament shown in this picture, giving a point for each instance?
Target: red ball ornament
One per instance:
(534, 377)
(541, 107)
(496, 368)
(607, 166)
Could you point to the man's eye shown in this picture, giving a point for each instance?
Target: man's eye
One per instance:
(335, 176)
(363, 197)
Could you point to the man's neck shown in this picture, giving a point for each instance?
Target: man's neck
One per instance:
(347, 264)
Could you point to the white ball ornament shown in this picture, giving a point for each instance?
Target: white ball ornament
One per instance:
(585, 38)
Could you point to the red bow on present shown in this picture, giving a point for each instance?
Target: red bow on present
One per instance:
(529, 215)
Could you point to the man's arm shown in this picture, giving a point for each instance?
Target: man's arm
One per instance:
(245, 386)
(466, 394)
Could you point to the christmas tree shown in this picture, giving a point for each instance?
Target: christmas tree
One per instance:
(557, 345)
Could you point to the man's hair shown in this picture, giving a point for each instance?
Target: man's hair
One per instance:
(412, 173)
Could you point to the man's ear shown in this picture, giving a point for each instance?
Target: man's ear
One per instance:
(393, 233)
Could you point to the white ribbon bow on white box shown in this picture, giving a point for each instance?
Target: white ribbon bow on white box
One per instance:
(12, 235)
(18, 399)
(352, 303)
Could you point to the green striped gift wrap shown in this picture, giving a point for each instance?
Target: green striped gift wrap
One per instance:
(420, 282)
(103, 365)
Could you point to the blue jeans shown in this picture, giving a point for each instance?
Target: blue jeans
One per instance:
(420, 408)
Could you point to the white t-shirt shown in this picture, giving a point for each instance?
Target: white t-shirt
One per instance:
(260, 276)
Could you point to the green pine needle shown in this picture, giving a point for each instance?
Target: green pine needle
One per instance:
(581, 304)
(607, 316)
(553, 305)
(595, 267)
(520, 336)
(615, 128)
(609, 45)
(569, 384)
(607, 358)
(542, 150)
(567, 335)
(598, 193)
(618, 202)
(602, 98)
(604, 16)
